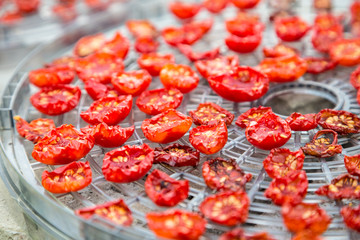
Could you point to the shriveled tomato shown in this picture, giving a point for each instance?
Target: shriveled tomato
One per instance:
(115, 211)
(209, 113)
(215, 6)
(110, 110)
(27, 6)
(283, 69)
(305, 216)
(291, 28)
(176, 224)
(11, 17)
(323, 146)
(196, 56)
(281, 162)
(62, 145)
(342, 122)
(146, 45)
(269, 132)
(45, 77)
(89, 44)
(69, 178)
(226, 208)
(322, 39)
(109, 136)
(279, 50)
(141, 28)
(154, 62)
(222, 174)
(351, 217)
(97, 90)
(355, 78)
(57, 99)
(217, 66)
(35, 130)
(177, 155)
(343, 186)
(239, 234)
(132, 83)
(166, 127)
(251, 116)
(118, 46)
(188, 34)
(99, 67)
(156, 101)
(209, 139)
(243, 27)
(184, 10)
(346, 52)
(128, 163)
(164, 190)
(244, 44)
(245, 4)
(352, 164)
(319, 65)
(179, 76)
(302, 122)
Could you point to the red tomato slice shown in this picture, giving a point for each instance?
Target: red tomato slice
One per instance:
(355, 78)
(342, 122)
(291, 28)
(326, 21)
(173, 35)
(244, 44)
(62, 145)
(35, 130)
(209, 139)
(243, 27)
(302, 122)
(184, 10)
(251, 116)
(245, 4)
(323, 146)
(319, 65)
(141, 28)
(110, 110)
(166, 127)
(27, 6)
(352, 164)
(89, 44)
(56, 100)
(217, 66)
(215, 6)
(132, 83)
(195, 56)
(118, 46)
(280, 50)
(154, 62)
(146, 45)
(210, 113)
(240, 85)
(342, 187)
(322, 39)
(179, 76)
(45, 77)
(164, 190)
(128, 163)
(177, 155)
(63, 62)
(69, 178)
(351, 217)
(346, 52)
(238, 233)
(98, 90)
(98, 4)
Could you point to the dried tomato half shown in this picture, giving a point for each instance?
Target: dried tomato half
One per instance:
(245, 4)
(209, 139)
(279, 50)
(196, 56)
(322, 39)
(56, 100)
(245, 44)
(46, 77)
(210, 113)
(217, 66)
(97, 90)
(290, 28)
(326, 21)
(128, 163)
(62, 145)
(176, 224)
(188, 34)
(342, 122)
(302, 122)
(166, 127)
(319, 65)
(118, 46)
(215, 6)
(239, 234)
(184, 10)
(355, 78)
(177, 155)
(345, 52)
(69, 178)
(89, 44)
(116, 211)
(179, 76)
(323, 146)
(243, 27)
(352, 164)
(154, 62)
(27, 6)
(132, 83)
(240, 85)
(226, 208)
(164, 190)
(351, 217)
(63, 62)
(221, 174)
(35, 130)
(110, 110)
(251, 116)
(343, 186)
(146, 45)
(141, 28)
(281, 162)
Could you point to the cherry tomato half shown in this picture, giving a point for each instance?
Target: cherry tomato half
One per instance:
(243, 27)
(355, 78)
(210, 113)
(319, 65)
(245, 4)
(343, 186)
(217, 66)
(188, 34)
(27, 6)
(132, 83)
(177, 155)
(238, 233)
(35, 130)
(352, 164)
(179, 76)
(291, 28)
(46, 77)
(326, 21)
(322, 39)
(323, 146)
(215, 6)
(345, 52)
(279, 50)
(89, 44)
(302, 122)
(342, 122)
(141, 28)
(244, 44)
(97, 90)
(251, 116)
(154, 62)
(118, 46)
(351, 217)
(146, 45)
(184, 10)
(196, 56)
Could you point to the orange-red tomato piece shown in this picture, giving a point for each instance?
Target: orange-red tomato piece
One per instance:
(97, 90)
(215, 6)
(239, 234)
(89, 44)
(245, 44)
(35, 130)
(322, 39)
(118, 46)
(342, 122)
(146, 45)
(352, 164)
(179, 76)
(27, 6)
(132, 82)
(290, 28)
(245, 4)
(345, 52)
(319, 65)
(154, 62)
(355, 78)
(302, 122)
(196, 56)
(351, 217)
(251, 116)
(45, 77)
(11, 17)
(323, 146)
(209, 113)
(243, 27)
(217, 66)
(279, 50)
(342, 187)
(184, 10)
(141, 28)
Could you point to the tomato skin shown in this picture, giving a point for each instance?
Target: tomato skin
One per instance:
(245, 4)
(326, 21)
(239, 234)
(251, 116)
(342, 122)
(97, 90)
(351, 217)
(166, 127)
(110, 110)
(177, 155)
(127, 163)
(217, 66)
(279, 50)
(229, 212)
(243, 27)
(344, 186)
(290, 29)
(154, 62)
(209, 139)
(210, 113)
(244, 44)
(302, 122)
(35, 130)
(352, 164)
(89, 44)
(179, 76)
(322, 148)
(196, 56)
(164, 190)
(146, 45)
(62, 145)
(46, 77)
(322, 39)
(355, 78)
(215, 6)
(132, 83)
(156, 101)
(184, 10)
(141, 28)
(188, 34)
(56, 100)
(118, 46)
(176, 228)
(27, 6)
(346, 52)
(70, 178)
(319, 65)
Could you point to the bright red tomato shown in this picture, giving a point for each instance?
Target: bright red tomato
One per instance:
(326, 21)
(132, 83)
(355, 11)
(245, 4)
(89, 44)
(141, 28)
(177, 155)
(154, 62)
(323, 146)
(179, 76)
(243, 27)
(351, 217)
(290, 29)
(46, 77)
(217, 66)
(346, 52)
(215, 6)
(342, 122)
(279, 50)
(244, 44)
(322, 39)
(319, 65)
(210, 113)
(302, 122)
(184, 10)
(118, 46)
(342, 187)
(251, 116)
(35, 130)
(355, 78)
(196, 56)
(146, 45)
(98, 90)
(352, 164)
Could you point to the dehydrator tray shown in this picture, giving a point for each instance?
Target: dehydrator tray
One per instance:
(55, 213)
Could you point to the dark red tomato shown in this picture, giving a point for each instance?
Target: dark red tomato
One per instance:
(176, 224)
(27, 6)
(326, 21)
(346, 52)
(132, 83)
(323, 146)
(128, 163)
(98, 90)
(342, 122)
(305, 216)
(56, 100)
(99, 67)
(217, 66)
(281, 162)
(342, 187)
(156, 101)
(283, 69)
(242, 84)
(239, 234)
(352, 164)
(179, 76)
(110, 110)
(116, 211)
(245, 4)
(269, 132)
(109, 136)
(351, 217)
(11, 17)
(215, 6)
(302, 122)
(290, 189)
(184, 10)
(35, 130)
(62, 145)
(322, 39)
(242, 27)
(118, 46)
(210, 113)
(251, 116)
(319, 65)
(65, 61)
(280, 50)
(89, 44)
(226, 175)
(141, 28)
(244, 44)
(146, 45)
(209, 139)
(226, 208)
(154, 62)
(306, 234)
(69, 178)
(355, 78)
(196, 56)
(355, 11)
(164, 190)
(166, 127)
(291, 28)
(177, 155)
(45, 77)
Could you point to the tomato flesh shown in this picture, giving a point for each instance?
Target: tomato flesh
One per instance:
(154, 62)
(132, 83)
(97, 90)
(177, 155)
(35, 130)
(210, 113)
(141, 28)
(355, 78)
(251, 116)
(217, 66)
(351, 217)
(215, 6)
(179, 76)
(342, 122)
(323, 146)
(342, 187)
(239, 234)
(89, 44)
(118, 46)
(345, 52)
(302, 122)
(279, 50)
(46, 77)
(290, 29)
(146, 45)
(319, 65)
(322, 39)
(184, 10)
(196, 56)
(245, 4)
(245, 44)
